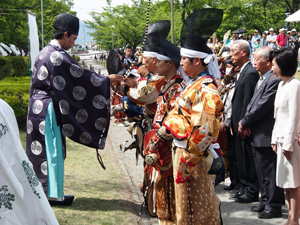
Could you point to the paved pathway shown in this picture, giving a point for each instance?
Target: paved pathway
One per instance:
(232, 213)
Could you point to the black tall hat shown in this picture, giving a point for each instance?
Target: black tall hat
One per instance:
(156, 30)
(198, 27)
(66, 22)
(169, 50)
(161, 28)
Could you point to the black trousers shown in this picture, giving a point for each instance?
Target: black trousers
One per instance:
(232, 168)
(272, 197)
(246, 170)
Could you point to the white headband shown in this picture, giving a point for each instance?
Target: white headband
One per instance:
(162, 57)
(192, 53)
(149, 54)
(210, 59)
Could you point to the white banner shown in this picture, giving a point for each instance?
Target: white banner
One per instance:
(33, 38)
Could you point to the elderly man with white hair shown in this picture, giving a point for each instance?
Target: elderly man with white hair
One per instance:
(260, 119)
(244, 89)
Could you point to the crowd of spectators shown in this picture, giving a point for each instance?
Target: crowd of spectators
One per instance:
(271, 38)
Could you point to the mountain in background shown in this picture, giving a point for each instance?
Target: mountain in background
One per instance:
(83, 36)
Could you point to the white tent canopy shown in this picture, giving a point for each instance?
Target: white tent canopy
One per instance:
(6, 47)
(3, 53)
(295, 17)
(15, 49)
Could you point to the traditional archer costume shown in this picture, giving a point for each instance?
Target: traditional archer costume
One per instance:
(159, 161)
(194, 124)
(149, 86)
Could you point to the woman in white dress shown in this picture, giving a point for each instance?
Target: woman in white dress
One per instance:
(286, 130)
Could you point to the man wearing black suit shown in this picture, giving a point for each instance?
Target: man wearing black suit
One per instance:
(260, 119)
(244, 89)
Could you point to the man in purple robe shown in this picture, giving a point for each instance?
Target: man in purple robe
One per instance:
(65, 101)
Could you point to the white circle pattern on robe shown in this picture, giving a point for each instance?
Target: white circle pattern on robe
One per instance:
(81, 115)
(79, 93)
(76, 70)
(42, 127)
(85, 138)
(67, 130)
(36, 147)
(95, 80)
(44, 168)
(29, 126)
(101, 123)
(59, 83)
(43, 73)
(43, 53)
(37, 107)
(64, 107)
(99, 102)
(56, 58)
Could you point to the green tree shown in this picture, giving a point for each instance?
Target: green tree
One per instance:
(13, 19)
(246, 14)
(116, 27)
(161, 10)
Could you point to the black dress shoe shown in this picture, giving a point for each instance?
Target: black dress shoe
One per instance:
(246, 198)
(228, 188)
(68, 200)
(258, 208)
(267, 214)
(237, 194)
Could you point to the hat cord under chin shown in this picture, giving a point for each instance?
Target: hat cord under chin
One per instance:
(65, 45)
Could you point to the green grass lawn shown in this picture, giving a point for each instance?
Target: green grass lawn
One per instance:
(101, 196)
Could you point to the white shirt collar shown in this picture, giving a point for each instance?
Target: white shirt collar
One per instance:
(238, 76)
(55, 43)
(244, 66)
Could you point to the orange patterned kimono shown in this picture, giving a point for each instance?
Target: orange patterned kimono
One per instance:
(194, 123)
(162, 169)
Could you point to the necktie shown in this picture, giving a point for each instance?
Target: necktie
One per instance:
(259, 82)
